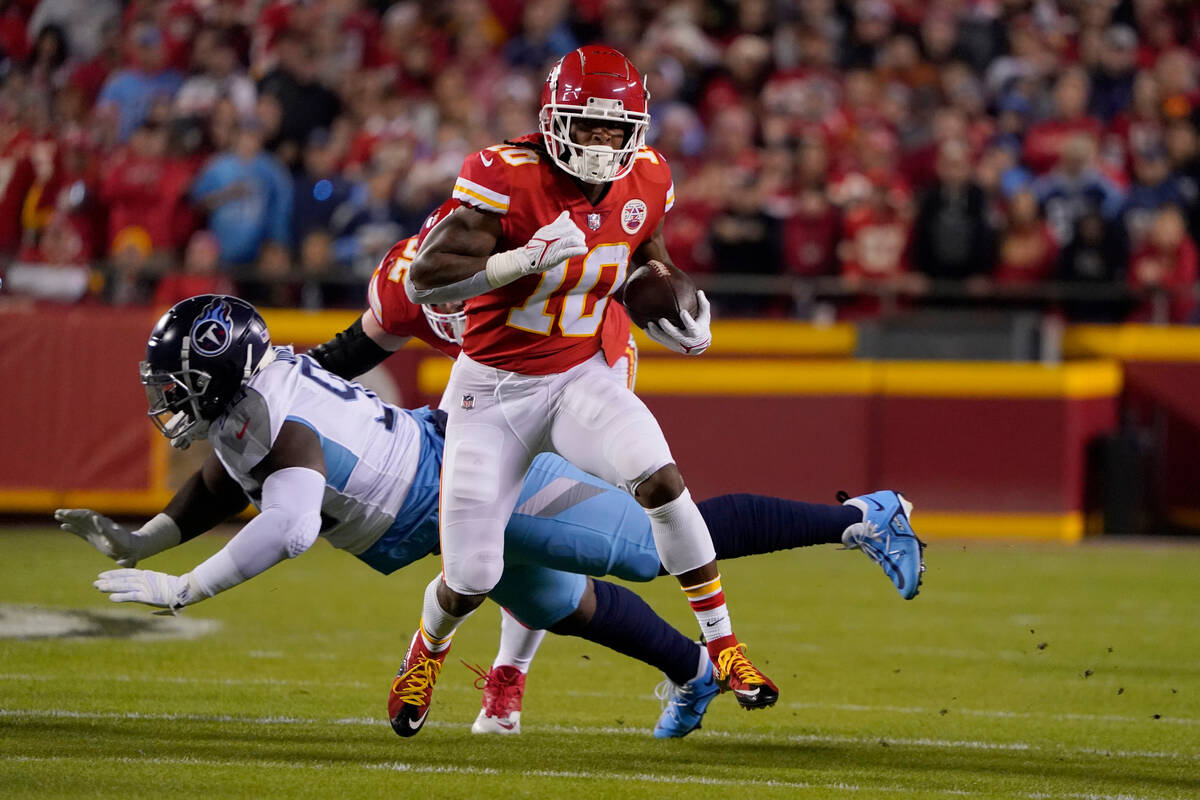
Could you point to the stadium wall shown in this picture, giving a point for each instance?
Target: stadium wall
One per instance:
(985, 449)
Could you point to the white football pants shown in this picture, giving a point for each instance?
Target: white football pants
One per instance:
(499, 420)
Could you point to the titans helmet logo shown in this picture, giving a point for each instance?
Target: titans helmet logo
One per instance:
(213, 330)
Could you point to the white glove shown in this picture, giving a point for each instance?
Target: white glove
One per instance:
(549, 246)
(117, 542)
(695, 336)
(113, 540)
(146, 586)
(553, 244)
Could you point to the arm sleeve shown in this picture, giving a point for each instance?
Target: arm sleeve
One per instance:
(350, 353)
(288, 525)
(458, 291)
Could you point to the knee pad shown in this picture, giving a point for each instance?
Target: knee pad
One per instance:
(477, 572)
(628, 435)
(472, 467)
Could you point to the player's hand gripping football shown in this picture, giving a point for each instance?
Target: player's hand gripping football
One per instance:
(117, 542)
(144, 586)
(693, 338)
(553, 244)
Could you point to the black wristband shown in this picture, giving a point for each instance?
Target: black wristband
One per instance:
(351, 353)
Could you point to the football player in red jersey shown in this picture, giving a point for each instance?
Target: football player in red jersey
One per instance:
(547, 229)
(391, 319)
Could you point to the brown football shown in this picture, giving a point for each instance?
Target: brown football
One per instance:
(653, 291)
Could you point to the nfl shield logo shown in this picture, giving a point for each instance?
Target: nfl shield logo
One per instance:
(468, 401)
(593, 220)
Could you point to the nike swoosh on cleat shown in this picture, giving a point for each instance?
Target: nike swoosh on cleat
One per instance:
(415, 724)
(747, 693)
(508, 726)
(895, 569)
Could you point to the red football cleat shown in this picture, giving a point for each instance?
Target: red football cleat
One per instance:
(412, 690)
(503, 688)
(751, 688)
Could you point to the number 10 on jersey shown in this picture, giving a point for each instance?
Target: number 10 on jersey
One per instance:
(577, 307)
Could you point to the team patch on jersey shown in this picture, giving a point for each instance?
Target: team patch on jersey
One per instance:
(633, 216)
(211, 333)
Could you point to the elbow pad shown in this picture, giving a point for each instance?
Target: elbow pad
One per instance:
(350, 353)
(288, 525)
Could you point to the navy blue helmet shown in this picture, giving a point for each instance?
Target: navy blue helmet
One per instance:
(200, 354)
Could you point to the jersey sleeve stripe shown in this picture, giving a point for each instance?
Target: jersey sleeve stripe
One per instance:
(670, 197)
(473, 194)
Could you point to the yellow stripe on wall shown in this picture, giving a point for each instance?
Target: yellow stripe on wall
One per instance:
(288, 326)
(771, 337)
(788, 377)
(1067, 526)
(974, 379)
(44, 501)
(1133, 342)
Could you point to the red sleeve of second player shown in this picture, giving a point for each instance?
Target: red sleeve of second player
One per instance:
(390, 305)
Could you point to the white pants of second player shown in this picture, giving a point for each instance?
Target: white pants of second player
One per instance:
(499, 420)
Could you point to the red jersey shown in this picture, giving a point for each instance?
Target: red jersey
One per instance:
(399, 316)
(546, 323)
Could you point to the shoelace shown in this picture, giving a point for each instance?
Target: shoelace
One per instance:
(733, 662)
(668, 692)
(498, 695)
(413, 684)
(870, 534)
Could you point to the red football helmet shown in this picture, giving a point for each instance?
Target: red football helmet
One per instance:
(594, 83)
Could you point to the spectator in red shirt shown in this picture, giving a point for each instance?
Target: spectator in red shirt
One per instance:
(1166, 261)
(201, 273)
(874, 247)
(810, 231)
(140, 188)
(1027, 250)
(16, 176)
(1047, 138)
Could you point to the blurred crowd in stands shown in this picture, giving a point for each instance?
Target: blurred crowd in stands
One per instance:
(951, 149)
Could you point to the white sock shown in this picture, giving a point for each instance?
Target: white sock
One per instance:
(681, 535)
(702, 665)
(437, 626)
(518, 644)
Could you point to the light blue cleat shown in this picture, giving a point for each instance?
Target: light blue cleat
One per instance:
(684, 706)
(887, 537)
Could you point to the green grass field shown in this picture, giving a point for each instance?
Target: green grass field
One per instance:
(1020, 671)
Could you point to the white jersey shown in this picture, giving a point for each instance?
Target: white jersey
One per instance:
(373, 450)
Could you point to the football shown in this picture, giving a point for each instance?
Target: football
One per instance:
(654, 291)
